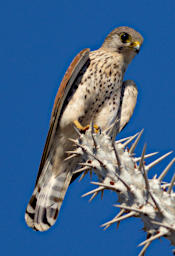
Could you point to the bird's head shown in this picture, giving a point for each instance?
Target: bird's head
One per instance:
(125, 41)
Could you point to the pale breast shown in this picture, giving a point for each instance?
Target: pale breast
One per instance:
(97, 90)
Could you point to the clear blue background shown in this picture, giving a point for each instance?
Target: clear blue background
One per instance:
(38, 40)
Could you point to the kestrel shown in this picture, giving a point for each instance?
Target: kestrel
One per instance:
(91, 90)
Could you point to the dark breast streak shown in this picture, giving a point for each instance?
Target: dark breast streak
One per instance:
(99, 83)
(102, 80)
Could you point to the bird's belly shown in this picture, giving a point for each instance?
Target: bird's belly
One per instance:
(102, 112)
(108, 112)
(97, 96)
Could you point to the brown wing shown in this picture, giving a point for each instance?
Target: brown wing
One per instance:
(66, 84)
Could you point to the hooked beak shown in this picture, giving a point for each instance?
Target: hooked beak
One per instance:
(136, 45)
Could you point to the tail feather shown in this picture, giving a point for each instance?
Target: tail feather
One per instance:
(47, 198)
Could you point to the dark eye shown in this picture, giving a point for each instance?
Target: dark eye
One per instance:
(125, 38)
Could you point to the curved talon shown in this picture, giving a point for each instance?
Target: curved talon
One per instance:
(83, 129)
(96, 128)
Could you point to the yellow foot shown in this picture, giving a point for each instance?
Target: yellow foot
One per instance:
(83, 129)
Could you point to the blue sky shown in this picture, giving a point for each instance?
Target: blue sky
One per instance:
(38, 41)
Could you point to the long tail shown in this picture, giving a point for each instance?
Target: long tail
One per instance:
(48, 195)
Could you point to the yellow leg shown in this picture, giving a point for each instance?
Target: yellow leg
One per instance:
(85, 128)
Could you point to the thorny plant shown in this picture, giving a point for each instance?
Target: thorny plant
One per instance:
(117, 169)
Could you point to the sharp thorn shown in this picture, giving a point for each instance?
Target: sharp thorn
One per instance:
(120, 213)
(145, 178)
(71, 152)
(73, 140)
(163, 225)
(103, 185)
(96, 158)
(122, 140)
(90, 174)
(124, 183)
(102, 192)
(76, 129)
(94, 141)
(136, 159)
(81, 170)
(153, 238)
(93, 191)
(83, 175)
(141, 163)
(132, 148)
(148, 167)
(155, 202)
(162, 175)
(142, 253)
(93, 196)
(171, 184)
(164, 186)
(116, 155)
(107, 226)
(147, 187)
(108, 130)
(81, 146)
(117, 216)
(92, 127)
(98, 183)
(128, 208)
(118, 223)
(70, 157)
(128, 141)
(131, 214)
(87, 164)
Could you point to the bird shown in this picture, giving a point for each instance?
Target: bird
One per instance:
(92, 90)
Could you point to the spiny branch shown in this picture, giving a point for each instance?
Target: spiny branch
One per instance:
(152, 200)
